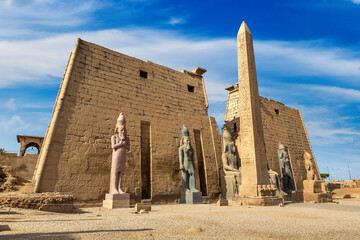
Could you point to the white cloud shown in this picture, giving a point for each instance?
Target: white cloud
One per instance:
(176, 20)
(306, 58)
(15, 14)
(351, 94)
(10, 104)
(33, 61)
(356, 1)
(324, 134)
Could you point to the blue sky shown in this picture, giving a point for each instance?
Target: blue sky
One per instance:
(307, 56)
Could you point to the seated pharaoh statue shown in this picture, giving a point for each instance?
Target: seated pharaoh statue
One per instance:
(274, 180)
(231, 166)
(310, 171)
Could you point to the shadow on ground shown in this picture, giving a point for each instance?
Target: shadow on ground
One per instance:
(65, 235)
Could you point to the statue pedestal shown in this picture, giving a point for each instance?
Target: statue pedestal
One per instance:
(232, 181)
(116, 201)
(191, 197)
(313, 191)
(258, 195)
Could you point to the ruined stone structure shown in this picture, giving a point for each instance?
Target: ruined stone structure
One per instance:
(279, 124)
(23, 165)
(27, 142)
(157, 101)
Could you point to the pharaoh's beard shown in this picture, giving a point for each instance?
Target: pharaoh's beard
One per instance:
(121, 137)
(187, 147)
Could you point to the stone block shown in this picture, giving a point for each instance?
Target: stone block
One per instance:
(264, 201)
(312, 186)
(222, 202)
(142, 206)
(116, 201)
(190, 197)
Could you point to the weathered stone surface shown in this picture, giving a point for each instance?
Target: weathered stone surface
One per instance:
(222, 202)
(191, 197)
(231, 167)
(98, 84)
(118, 200)
(252, 143)
(142, 206)
(22, 166)
(52, 202)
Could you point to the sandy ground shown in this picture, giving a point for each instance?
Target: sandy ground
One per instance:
(204, 221)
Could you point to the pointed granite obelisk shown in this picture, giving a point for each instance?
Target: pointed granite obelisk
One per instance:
(252, 144)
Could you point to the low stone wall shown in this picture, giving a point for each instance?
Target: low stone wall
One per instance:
(332, 185)
(23, 167)
(52, 202)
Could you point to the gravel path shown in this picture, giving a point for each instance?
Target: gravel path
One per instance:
(205, 221)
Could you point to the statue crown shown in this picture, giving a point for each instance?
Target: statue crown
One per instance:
(185, 132)
(121, 118)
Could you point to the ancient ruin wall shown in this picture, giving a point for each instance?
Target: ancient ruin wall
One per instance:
(99, 84)
(22, 166)
(285, 125)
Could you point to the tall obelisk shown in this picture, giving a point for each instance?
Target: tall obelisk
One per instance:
(254, 173)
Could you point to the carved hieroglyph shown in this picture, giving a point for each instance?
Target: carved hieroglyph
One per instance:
(252, 144)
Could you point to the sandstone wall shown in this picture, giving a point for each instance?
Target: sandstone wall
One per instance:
(22, 166)
(281, 124)
(98, 84)
(285, 125)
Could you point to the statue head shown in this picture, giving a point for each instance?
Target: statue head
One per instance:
(120, 125)
(226, 137)
(281, 147)
(185, 136)
(307, 156)
(230, 148)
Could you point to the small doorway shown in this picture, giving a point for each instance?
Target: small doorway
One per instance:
(200, 159)
(145, 160)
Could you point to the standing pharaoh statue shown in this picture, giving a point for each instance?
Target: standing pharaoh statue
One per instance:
(189, 193)
(117, 198)
(119, 144)
(285, 170)
(310, 171)
(231, 166)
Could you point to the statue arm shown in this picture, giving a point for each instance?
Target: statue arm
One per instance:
(113, 141)
(118, 145)
(181, 158)
(127, 143)
(226, 165)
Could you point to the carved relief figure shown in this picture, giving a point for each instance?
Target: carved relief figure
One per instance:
(119, 144)
(231, 166)
(285, 170)
(310, 171)
(186, 160)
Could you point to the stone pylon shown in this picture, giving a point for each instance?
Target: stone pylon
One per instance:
(255, 179)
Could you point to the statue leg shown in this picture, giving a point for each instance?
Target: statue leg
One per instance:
(192, 182)
(185, 181)
(120, 176)
(113, 183)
